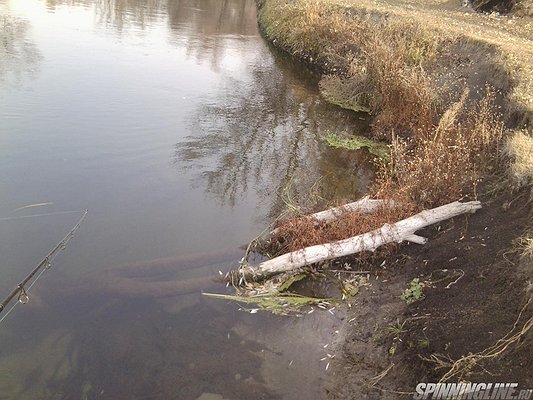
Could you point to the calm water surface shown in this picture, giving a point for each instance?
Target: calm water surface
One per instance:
(183, 133)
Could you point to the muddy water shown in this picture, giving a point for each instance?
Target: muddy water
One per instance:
(184, 134)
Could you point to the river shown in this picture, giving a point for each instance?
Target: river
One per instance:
(184, 134)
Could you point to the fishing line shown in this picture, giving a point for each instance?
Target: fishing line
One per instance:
(39, 215)
(21, 290)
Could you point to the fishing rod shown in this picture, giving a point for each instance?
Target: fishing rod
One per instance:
(45, 264)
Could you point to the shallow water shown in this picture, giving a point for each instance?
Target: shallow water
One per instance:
(184, 135)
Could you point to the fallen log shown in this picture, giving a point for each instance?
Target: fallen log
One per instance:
(398, 232)
(365, 205)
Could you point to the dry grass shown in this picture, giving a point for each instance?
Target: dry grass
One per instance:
(525, 246)
(441, 166)
(519, 148)
(383, 64)
(379, 63)
(391, 73)
(300, 27)
(296, 233)
(387, 65)
(448, 160)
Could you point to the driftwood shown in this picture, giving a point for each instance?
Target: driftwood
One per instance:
(403, 230)
(364, 205)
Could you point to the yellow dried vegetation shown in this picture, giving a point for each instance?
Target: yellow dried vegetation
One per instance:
(519, 148)
(442, 140)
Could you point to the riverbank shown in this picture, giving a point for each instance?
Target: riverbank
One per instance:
(450, 90)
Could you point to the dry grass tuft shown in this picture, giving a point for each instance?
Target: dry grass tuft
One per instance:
(447, 161)
(297, 233)
(519, 148)
(390, 73)
(525, 246)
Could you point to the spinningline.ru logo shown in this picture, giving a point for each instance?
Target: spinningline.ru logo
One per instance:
(475, 391)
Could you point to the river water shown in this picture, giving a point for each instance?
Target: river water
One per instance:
(184, 134)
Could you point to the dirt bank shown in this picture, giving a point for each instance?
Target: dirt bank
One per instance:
(453, 319)
(471, 282)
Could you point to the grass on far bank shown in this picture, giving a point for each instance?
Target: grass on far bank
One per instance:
(375, 63)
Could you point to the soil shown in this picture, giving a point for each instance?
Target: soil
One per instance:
(453, 319)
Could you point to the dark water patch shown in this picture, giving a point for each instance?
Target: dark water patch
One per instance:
(127, 349)
(179, 356)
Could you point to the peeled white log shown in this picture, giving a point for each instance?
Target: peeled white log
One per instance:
(403, 230)
(364, 205)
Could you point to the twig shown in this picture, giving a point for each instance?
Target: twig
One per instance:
(461, 274)
(374, 381)
(348, 272)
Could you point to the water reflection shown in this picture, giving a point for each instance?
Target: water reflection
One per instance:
(210, 26)
(119, 14)
(52, 5)
(124, 13)
(213, 18)
(204, 28)
(19, 56)
(267, 136)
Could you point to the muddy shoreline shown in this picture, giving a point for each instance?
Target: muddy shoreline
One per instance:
(475, 286)
(475, 281)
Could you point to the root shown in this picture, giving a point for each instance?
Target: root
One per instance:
(461, 367)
